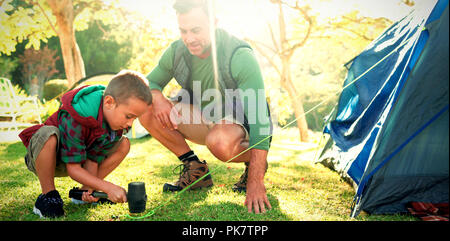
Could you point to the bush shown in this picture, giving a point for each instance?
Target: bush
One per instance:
(48, 108)
(8, 66)
(53, 88)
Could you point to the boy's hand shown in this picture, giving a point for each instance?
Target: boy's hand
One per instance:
(117, 194)
(87, 197)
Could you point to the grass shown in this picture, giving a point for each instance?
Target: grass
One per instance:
(297, 188)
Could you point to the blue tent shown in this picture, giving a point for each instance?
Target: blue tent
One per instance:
(389, 134)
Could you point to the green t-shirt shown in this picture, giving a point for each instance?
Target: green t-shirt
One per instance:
(244, 69)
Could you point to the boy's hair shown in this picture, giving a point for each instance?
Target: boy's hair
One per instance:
(184, 6)
(128, 83)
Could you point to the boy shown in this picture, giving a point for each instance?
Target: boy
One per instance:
(83, 139)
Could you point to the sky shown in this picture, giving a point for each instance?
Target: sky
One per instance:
(250, 17)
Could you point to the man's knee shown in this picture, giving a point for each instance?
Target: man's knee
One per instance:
(221, 143)
(150, 122)
(147, 118)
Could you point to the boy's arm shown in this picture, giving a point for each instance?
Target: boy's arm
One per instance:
(73, 154)
(79, 174)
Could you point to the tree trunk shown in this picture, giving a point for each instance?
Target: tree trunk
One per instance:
(34, 87)
(286, 80)
(73, 62)
(296, 101)
(297, 104)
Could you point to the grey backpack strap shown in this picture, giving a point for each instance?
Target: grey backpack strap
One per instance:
(181, 64)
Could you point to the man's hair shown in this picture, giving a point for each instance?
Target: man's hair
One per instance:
(184, 6)
(128, 83)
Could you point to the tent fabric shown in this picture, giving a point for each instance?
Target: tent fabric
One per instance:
(425, 94)
(362, 106)
(390, 132)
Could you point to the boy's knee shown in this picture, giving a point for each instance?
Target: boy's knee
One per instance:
(51, 143)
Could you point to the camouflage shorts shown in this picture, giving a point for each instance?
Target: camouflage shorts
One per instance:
(38, 141)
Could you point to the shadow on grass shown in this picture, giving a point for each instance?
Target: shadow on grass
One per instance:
(189, 206)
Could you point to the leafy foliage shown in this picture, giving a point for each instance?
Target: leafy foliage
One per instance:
(101, 51)
(8, 64)
(22, 21)
(129, 40)
(317, 66)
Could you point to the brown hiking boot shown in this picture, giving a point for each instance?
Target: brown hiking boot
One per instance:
(241, 185)
(192, 171)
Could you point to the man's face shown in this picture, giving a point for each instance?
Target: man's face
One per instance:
(194, 29)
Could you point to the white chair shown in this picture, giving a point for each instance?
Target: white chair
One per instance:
(13, 106)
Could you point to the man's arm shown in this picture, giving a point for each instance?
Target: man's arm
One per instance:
(246, 71)
(163, 110)
(158, 78)
(161, 75)
(256, 191)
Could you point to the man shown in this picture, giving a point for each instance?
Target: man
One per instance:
(226, 126)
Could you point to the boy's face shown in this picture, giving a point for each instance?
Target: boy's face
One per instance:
(194, 30)
(121, 116)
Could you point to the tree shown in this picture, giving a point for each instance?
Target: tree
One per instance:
(65, 15)
(307, 55)
(149, 44)
(22, 21)
(115, 54)
(38, 67)
(38, 20)
(283, 49)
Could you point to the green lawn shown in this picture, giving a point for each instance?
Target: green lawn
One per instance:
(297, 188)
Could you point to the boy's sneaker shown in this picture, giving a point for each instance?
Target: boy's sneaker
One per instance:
(192, 170)
(49, 205)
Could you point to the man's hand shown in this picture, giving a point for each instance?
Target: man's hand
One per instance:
(256, 197)
(163, 110)
(256, 191)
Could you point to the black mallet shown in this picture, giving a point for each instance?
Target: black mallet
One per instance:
(137, 198)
